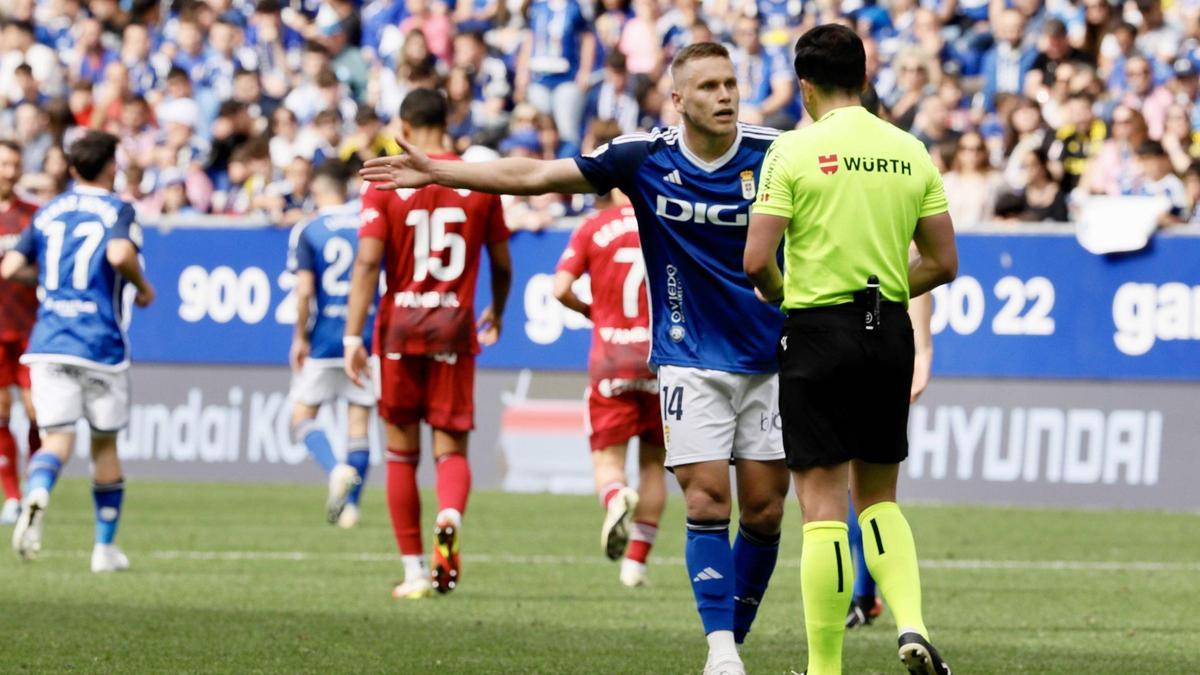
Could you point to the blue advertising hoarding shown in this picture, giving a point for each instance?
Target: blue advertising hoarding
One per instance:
(1024, 305)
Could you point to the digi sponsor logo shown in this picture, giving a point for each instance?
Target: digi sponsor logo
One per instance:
(683, 211)
(1049, 445)
(828, 164)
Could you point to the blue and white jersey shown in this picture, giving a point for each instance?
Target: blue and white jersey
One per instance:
(692, 217)
(558, 27)
(82, 317)
(325, 246)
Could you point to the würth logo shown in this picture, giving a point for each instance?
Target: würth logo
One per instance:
(828, 163)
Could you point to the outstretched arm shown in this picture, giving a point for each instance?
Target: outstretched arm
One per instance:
(509, 176)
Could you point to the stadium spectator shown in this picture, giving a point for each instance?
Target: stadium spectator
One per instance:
(1077, 142)
(1005, 65)
(765, 79)
(1025, 131)
(914, 84)
(1144, 96)
(611, 99)
(1179, 140)
(1044, 199)
(555, 62)
(971, 184)
(1114, 170)
(1191, 181)
(1157, 181)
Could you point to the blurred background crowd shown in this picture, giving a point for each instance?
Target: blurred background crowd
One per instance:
(225, 106)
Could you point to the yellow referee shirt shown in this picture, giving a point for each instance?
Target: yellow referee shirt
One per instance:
(853, 187)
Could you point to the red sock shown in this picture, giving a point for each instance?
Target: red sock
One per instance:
(609, 491)
(35, 439)
(453, 482)
(9, 481)
(641, 539)
(404, 501)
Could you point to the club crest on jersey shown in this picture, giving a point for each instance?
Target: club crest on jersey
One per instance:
(676, 333)
(828, 164)
(747, 184)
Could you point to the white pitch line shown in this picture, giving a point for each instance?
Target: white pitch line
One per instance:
(571, 560)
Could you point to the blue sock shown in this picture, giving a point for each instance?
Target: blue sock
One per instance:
(43, 472)
(710, 566)
(317, 443)
(107, 497)
(864, 585)
(358, 456)
(754, 557)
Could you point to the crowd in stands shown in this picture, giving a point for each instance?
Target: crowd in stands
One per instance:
(226, 106)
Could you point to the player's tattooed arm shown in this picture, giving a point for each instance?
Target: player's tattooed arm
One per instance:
(759, 259)
(123, 256)
(509, 176)
(16, 267)
(500, 262)
(364, 278)
(306, 285)
(566, 295)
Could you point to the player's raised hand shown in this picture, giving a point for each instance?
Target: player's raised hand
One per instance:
(145, 295)
(356, 364)
(298, 354)
(411, 169)
(489, 327)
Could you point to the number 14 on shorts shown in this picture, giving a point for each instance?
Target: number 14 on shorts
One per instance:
(672, 402)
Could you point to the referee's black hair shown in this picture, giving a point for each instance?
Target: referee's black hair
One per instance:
(89, 155)
(831, 56)
(425, 108)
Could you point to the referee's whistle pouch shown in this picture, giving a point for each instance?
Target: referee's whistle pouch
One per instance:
(868, 301)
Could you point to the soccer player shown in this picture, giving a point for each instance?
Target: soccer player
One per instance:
(712, 342)
(623, 394)
(18, 309)
(83, 249)
(431, 240)
(322, 251)
(846, 353)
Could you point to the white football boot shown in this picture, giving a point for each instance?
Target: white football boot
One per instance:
(10, 512)
(108, 558)
(27, 535)
(725, 664)
(633, 573)
(414, 588)
(342, 480)
(349, 518)
(614, 535)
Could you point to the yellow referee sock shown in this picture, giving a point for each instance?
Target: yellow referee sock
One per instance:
(827, 583)
(892, 558)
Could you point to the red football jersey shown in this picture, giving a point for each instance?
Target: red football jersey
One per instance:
(18, 303)
(432, 242)
(607, 248)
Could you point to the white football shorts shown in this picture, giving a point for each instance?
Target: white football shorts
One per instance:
(712, 415)
(324, 381)
(64, 394)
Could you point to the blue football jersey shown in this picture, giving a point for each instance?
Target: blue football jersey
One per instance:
(82, 317)
(692, 217)
(325, 246)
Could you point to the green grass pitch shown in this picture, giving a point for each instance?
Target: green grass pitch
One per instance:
(249, 579)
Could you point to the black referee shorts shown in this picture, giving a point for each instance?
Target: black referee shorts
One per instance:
(843, 390)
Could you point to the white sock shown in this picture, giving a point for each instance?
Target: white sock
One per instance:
(452, 515)
(627, 564)
(414, 566)
(720, 642)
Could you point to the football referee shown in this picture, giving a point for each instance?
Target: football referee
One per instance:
(848, 194)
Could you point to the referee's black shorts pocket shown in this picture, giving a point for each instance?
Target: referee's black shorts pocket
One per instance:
(843, 393)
